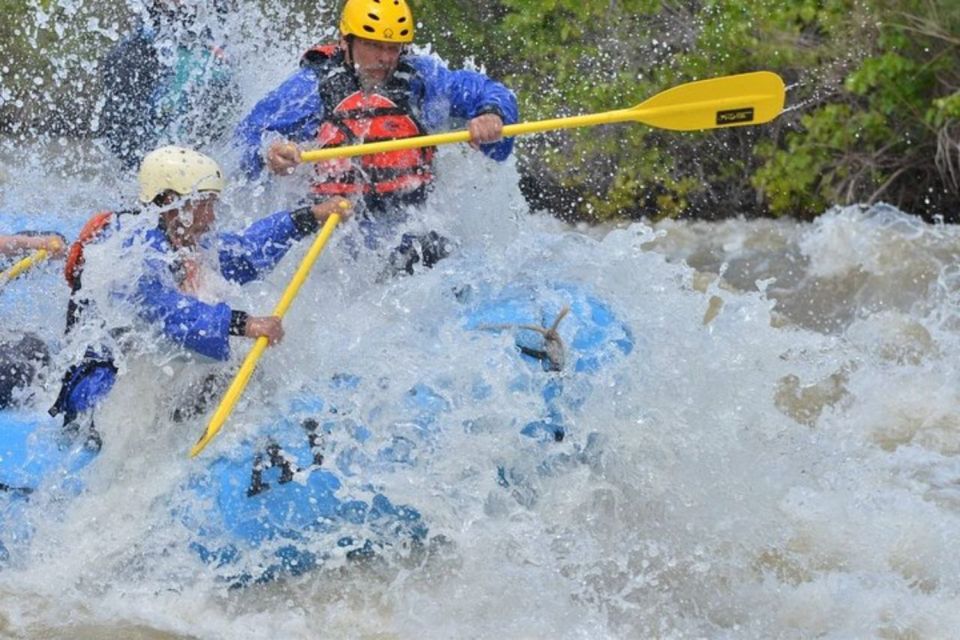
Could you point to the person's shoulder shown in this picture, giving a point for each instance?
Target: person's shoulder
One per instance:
(321, 55)
(301, 81)
(424, 63)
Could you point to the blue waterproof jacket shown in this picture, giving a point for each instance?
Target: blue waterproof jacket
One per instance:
(185, 320)
(295, 109)
(198, 326)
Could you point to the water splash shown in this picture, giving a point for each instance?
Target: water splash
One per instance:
(776, 457)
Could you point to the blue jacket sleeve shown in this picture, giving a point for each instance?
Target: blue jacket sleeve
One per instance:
(293, 110)
(200, 327)
(246, 256)
(465, 94)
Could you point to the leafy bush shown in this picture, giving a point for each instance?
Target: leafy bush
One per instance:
(566, 56)
(873, 101)
(890, 133)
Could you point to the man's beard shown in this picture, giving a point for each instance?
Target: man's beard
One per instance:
(370, 84)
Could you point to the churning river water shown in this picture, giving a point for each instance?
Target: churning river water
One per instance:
(776, 457)
(778, 454)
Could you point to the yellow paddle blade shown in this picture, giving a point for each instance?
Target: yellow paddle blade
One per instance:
(729, 101)
(21, 267)
(240, 381)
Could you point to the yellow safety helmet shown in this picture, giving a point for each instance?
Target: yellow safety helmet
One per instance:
(177, 169)
(381, 20)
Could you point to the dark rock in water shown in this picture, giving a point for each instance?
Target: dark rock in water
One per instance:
(19, 364)
(427, 249)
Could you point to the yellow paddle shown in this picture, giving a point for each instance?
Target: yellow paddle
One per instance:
(729, 101)
(18, 269)
(250, 363)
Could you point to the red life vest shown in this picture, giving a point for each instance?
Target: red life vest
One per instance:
(90, 232)
(354, 117)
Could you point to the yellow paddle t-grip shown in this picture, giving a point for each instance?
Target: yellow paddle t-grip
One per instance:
(21, 267)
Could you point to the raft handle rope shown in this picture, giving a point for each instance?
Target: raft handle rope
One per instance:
(553, 351)
(18, 491)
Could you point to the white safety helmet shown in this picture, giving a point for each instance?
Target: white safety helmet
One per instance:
(177, 169)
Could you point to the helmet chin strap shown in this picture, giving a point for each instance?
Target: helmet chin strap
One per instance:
(350, 58)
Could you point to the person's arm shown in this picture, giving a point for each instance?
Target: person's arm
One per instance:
(22, 243)
(246, 256)
(469, 95)
(198, 326)
(190, 323)
(293, 110)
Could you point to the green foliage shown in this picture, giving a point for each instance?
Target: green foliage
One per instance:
(808, 175)
(568, 56)
(46, 47)
(945, 110)
(890, 133)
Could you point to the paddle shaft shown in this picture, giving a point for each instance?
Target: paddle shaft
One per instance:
(453, 137)
(239, 384)
(663, 115)
(19, 268)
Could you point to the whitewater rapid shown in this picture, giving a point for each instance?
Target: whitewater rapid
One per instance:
(777, 456)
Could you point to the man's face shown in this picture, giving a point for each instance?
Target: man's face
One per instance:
(194, 219)
(374, 61)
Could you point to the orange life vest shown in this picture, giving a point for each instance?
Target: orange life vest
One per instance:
(91, 231)
(188, 271)
(352, 117)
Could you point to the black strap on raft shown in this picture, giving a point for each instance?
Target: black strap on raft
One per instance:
(17, 491)
(275, 458)
(315, 438)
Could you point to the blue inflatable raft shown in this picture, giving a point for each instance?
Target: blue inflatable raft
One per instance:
(299, 492)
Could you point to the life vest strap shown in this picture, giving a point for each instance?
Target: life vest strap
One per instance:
(408, 182)
(380, 174)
